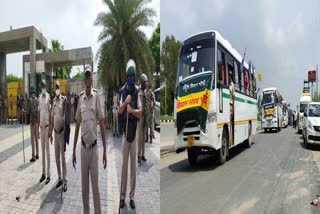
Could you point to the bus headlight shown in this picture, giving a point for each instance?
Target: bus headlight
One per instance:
(212, 117)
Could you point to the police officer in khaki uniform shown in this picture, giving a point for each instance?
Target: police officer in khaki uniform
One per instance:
(58, 110)
(33, 112)
(88, 113)
(130, 107)
(45, 123)
(141, 126)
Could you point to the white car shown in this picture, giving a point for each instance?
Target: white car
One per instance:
(311, 124)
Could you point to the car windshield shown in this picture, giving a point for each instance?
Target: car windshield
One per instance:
(314, 110)
(196, 58)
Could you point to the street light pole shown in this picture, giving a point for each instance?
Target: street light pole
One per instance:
(317, 80)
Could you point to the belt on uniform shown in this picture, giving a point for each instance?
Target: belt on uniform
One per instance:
(44, 126)
(88, 146)
(58, 132)
(115, 108)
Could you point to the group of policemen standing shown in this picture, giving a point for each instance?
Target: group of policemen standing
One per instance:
(135, 107)
(6, 108)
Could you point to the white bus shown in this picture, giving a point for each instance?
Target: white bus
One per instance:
(271, 109)
(202, 98)
(304, 100)
(285, 112)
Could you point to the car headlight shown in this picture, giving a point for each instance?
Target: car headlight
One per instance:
(310, 125)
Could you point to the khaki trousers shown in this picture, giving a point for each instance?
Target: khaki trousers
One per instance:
(128, 149)
(89, 167)
(45, 149)
(59, 151)
(141, 137)
(34, 140)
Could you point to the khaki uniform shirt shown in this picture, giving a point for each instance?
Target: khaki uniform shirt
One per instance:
(33, 109)
(44, 107)
(88, 113)
(58, 109)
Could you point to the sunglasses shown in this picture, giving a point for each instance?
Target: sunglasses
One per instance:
(130, 76)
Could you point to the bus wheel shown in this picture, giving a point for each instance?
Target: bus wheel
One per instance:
(248, 142)
(192, 156)
(224, 147)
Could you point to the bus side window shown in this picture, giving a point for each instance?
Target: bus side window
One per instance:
(236, 78)
(243, 90)
(246, 81)
(221, 67)
(251, 84)
(239, 76)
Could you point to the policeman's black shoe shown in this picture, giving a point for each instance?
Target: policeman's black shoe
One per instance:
(132, 204)
(42, 178)
(114, 134)
(143, 158)
(65, 187)
(59, 184)
(32, 160)
(48, 180)
(37, 157)
(122, 203)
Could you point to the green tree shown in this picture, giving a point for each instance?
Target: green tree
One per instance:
(78, 75)
(169, 64)
(154, 43)
(122, 39)
(12, 78)
(316, 97)
(60, 72)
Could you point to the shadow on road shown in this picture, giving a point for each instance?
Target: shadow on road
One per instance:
(312, 147)
(24, 166)
(205, 162)
(52, 200)
(34, 189)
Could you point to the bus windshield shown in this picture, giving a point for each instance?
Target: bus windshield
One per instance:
(303, 107)
(267, 98)
(196, 58)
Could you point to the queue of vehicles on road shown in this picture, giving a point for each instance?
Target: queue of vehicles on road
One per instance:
(204, 119)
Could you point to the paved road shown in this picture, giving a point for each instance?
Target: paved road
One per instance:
(167, 134)
(276, 175)
(18, 179)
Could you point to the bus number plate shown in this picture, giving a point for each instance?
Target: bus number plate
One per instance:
(190, 141)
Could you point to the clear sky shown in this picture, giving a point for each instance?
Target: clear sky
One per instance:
(69, 21)
(281, 37)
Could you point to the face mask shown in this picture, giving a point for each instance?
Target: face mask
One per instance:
(43, 91)
(130, 81)
(57, 92)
